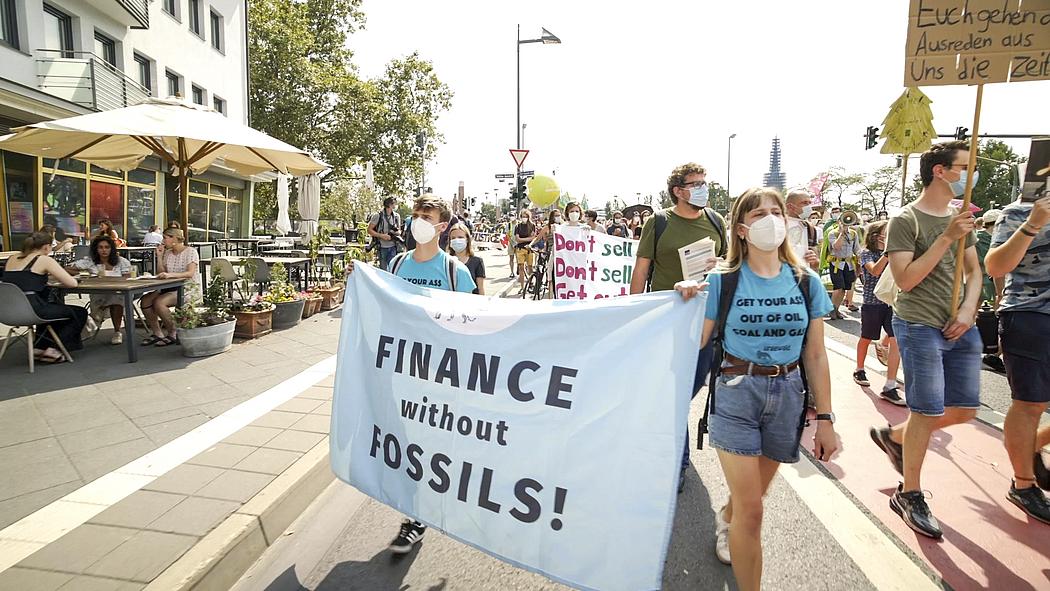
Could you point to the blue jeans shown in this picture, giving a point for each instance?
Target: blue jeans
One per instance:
(939, 372)
(703, 367)
(758, 416)
(386, 254)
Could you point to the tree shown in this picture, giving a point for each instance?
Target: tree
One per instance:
(996, 180)
(489, 211)
(839, 184)
(718, 198)
(665, 199)
(878, 188)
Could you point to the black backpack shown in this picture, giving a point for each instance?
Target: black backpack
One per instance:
(661, 225)
(725, 301)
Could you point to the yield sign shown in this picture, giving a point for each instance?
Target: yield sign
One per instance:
(519, 156)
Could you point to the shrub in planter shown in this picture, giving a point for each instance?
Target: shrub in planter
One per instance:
(312, 305)
(254, 318)
(288, 305)
(205, 326)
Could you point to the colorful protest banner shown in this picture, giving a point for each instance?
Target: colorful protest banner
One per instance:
(499, 421)
(591, 265)
(977, 42)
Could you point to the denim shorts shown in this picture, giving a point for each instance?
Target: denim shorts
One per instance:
(939, 373)
(758, 416)
(1026, 354)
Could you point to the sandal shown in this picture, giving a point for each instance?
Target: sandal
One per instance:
(151, 340)
(53, 358)
(164, 342)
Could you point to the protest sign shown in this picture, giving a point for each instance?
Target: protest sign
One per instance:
(507, 425)
(977, 42)
(591, 265)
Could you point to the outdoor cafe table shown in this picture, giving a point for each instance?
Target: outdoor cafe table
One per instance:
(147, 253)
(243, 246)
(300, 266)
(130, 289)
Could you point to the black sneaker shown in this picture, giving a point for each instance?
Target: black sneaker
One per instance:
(892, 395)
(1032, 501)
(1042, 473)
(912, 508)
(861, 377)
(410, 535)
(993, 363)
(894, 450)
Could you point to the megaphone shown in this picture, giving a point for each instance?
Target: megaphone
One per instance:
(849, 218)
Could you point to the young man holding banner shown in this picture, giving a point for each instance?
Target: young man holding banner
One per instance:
(940, 347)
(1022, 236)
(663, 234)
(427, 266)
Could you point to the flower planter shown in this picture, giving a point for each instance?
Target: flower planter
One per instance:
(330, 297)
(252, 325)
(207, 340)
(287, 314)
(313, 306)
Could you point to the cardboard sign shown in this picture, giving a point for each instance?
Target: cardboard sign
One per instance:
(977, 42)
(509, 425)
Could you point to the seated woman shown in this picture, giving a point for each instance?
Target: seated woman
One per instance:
(105, 262)
(461, 245)
(175, 260)
(30, 270)
(64, 245)
(105, 228)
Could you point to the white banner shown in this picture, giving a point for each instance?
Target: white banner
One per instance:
(510, 426)
(591, 265)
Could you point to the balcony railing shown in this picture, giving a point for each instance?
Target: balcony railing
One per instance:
(87, 80)
(139, 9)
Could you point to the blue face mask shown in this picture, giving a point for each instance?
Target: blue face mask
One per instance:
(698, 196)
(959, 186)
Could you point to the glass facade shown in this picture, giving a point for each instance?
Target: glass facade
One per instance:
(215, 210)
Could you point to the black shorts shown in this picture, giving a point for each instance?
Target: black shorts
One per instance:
(843, 278)
(1026, 354)
(874, 319)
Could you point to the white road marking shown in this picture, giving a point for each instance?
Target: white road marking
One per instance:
(34, 531)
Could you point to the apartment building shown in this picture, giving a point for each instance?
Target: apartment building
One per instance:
(60, 58)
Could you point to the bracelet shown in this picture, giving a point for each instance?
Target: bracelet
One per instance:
(1022, 229)
(1030, 226)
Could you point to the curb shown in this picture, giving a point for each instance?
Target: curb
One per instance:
(219, 559)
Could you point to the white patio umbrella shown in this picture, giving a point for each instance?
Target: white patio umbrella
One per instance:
(284, 225)
(309, 204)
(188, 137)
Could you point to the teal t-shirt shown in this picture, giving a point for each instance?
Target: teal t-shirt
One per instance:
(434, 273)
(768, 318)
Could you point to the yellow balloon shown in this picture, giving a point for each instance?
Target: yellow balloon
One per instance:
(543, 190)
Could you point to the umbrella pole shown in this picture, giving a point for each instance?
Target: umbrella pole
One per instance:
(184, 195)
(960, 250)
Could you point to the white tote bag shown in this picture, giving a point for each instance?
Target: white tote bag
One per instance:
(886, 289)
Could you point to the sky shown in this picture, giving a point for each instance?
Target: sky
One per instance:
(637, 88)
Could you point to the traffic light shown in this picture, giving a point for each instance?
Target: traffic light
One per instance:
(871, 137)
(961, 133)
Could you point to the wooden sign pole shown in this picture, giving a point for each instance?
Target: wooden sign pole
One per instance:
(904, 181)
(967, 196)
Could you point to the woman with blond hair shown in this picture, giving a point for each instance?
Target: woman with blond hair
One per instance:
(461, 245)
(773, 309)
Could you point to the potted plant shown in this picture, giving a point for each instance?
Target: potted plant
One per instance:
(254, 316)
(205, 326)
(313, 303)
(288, 305)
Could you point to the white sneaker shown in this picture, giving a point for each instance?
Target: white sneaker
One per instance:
(118, 338)
(722, 538)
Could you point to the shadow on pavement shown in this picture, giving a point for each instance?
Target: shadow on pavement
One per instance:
(384, 572)
(691, 562)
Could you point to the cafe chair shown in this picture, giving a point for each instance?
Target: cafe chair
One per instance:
(224, 269)
(16, 312)
(262, 273)
(81, 251)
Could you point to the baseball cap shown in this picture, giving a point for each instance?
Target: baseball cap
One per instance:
(991, 216)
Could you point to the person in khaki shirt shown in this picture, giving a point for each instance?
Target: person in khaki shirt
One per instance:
(940, 347)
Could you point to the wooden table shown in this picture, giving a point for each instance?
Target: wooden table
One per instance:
(300, 265)
(129, 288)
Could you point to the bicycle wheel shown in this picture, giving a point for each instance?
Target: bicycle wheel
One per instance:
(536, 283)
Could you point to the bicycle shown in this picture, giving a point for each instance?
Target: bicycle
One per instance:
(538, 283)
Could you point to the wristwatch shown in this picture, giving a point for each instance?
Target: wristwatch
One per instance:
(826, 416)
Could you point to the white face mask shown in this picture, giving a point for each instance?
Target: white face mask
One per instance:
(806, 212)
(767, 233)
(423, 231)
(574, 216)
(458, 244)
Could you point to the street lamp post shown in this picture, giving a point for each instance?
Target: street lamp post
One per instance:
(546, 38)
(729, 161)
(523, 126)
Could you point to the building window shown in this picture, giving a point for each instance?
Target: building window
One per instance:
(58, 32)
(9, 23)
(106, 49)
(145, 72)
(216, 31)
(219, 104)
(174, 88)
(195, 17)
(198, 95)
(170, 8)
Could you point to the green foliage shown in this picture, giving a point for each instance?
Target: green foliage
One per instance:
(839, 185)
(879, 189)
(280, 290)
(207, 310)
(489, 211)
(996, 181)
(306, 91)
